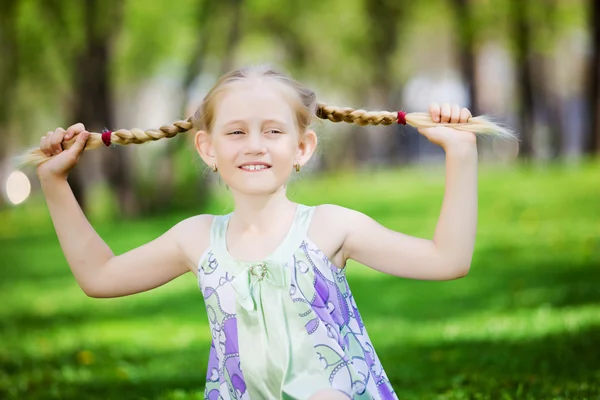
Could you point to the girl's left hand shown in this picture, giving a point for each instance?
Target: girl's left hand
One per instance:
(445, 136)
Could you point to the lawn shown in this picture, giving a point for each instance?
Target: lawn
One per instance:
(523, 324)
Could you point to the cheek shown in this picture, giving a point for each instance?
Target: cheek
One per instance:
(287, 153)
(225, 150)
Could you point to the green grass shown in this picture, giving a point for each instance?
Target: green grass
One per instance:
(524, 324)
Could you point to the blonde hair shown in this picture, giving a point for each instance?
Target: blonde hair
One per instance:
(203, 118)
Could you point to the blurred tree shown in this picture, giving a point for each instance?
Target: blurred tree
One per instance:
(384, 19)
(93, 89)
(466, 31)
(205, 10)
(592, 144)
(521, 30)
(194, 67)
(546, 112)
(9, 78)
(91, 96)
(64, 70)
(284, 24)
(234, 8)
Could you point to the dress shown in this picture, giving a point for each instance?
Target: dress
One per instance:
(284, 327)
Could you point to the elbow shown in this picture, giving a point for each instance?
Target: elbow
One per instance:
(90, 292)
(460, 271)
(93, 292)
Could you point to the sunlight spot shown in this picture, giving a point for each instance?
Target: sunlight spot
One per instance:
(451, 332)
(18, 187)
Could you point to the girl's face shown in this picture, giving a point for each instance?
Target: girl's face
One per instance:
(254, 140)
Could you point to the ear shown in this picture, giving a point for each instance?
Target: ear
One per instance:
(306, 147)
(204, 147)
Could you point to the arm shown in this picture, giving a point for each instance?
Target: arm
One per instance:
(448, 255)
(97, 270)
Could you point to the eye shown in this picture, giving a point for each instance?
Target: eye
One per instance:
(274, 131)
(236, 133)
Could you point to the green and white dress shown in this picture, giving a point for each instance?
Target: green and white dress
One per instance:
(286, 326)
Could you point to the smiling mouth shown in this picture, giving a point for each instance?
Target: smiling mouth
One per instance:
(254, 167)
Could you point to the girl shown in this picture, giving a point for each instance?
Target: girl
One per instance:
(283, 320)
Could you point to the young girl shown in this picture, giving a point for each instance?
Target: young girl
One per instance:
(283, 320)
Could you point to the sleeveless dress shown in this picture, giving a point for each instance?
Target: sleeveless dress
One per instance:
(284, 327)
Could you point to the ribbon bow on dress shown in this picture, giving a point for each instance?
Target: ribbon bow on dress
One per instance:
(249, 282)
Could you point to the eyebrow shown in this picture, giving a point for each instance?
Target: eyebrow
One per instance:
(269, 120)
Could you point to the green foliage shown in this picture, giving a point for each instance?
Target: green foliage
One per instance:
(154, 35)
(524, 324)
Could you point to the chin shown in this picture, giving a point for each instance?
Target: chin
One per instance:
(256, 188)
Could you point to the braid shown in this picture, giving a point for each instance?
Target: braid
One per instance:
(360, 117)
(122, 137)
(479, 125)
(204, 116)
(139, 136)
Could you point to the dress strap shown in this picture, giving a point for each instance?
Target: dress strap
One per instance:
(297, 233)
(218, 230)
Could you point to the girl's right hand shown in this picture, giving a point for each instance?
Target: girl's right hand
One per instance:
(62, 160)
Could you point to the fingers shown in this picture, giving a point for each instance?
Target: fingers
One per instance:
(446, 113)
(465, 115)
(56, 140)
(79, 144)
(45, 144)
(434, 110)
(51, 143)
(455, 114)
(449, 114)
(74, 130)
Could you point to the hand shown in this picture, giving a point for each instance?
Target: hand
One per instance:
(62, 160)
(446, 136)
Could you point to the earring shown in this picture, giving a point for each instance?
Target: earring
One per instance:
(215, 168)
(297, 166)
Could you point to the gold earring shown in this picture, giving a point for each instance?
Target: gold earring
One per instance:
(215, 168)
(297, 166)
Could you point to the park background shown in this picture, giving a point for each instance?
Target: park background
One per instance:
(523, 324)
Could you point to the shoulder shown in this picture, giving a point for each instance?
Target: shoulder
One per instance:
(339, 216)
(340, 221)
(330, 227)
(193, 236)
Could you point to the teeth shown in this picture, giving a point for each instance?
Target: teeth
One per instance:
(254, 167)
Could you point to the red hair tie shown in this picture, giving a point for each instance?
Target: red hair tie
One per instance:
(401, 117)
(106, 136)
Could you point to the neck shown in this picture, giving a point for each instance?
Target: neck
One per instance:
(256, 213)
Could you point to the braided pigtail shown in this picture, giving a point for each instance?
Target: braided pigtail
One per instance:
(480, 125)
(305, 110)
(122, 137)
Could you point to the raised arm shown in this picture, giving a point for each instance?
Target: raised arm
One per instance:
(448, 254)
(97, 270)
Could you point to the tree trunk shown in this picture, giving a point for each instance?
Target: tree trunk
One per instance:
(93, 105)
(385, 141)
(233, 36)
(545, 89)
(8, 80)
(592, 144)
(522, 37)
(467, 59)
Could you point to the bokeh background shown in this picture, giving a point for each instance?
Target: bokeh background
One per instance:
(525, 322)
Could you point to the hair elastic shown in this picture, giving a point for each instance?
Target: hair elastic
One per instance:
(106, 136)
(401, 117)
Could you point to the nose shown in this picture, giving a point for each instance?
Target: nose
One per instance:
(255, 143)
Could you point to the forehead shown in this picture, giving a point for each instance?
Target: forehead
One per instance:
(254, 100)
